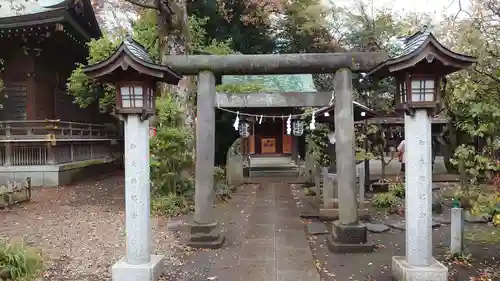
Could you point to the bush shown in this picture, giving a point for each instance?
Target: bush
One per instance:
(171, 205)
(222, 189)
(19, 262)
(397, 189)
(385, 200)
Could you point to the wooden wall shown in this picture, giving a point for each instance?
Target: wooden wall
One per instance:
(35, 88)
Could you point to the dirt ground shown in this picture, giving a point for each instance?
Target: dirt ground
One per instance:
(80, 229)
(484, 253)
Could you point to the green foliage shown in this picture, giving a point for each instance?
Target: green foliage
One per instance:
(485, 204)
(304, 28)
(171, 158)
(477, 166)
(170, 205)
(385, 200)
(146, 33)
(170, 149)
(397, 189)
(240, 23)
(318, 144)
(81, 87)
(222, 189)
(19, 262)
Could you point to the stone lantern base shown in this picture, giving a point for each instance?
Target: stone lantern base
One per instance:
(123, 271)
(402, 271)
(349, 239)
(205, 235)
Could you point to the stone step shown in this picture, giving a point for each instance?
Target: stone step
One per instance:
(274, 173)
(275, 168)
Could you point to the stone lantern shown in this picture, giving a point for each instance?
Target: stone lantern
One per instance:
(419, 72)
(134, 76)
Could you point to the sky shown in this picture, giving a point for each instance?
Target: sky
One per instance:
(436, 7)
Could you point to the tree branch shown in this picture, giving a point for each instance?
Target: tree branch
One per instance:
(487, 74)
(147, 4)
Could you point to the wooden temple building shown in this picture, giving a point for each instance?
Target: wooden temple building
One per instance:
(43, 134)
(268, 135)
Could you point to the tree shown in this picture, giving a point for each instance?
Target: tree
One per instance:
(237, 21)
(472, 96)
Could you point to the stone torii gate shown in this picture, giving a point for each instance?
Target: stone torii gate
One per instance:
(204, 230)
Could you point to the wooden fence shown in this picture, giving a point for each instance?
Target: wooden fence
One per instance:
(48, 142)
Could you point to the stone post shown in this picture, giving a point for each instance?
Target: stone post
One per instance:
(317, 183)
(204, 229)
(138, 263)
(360, 171)
(457, 229)
(418, 204)
(295, 149)
(330, 191)
(366, 163)
(348, 235)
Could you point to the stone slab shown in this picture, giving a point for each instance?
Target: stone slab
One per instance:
(337, 247)
(290, 238)
(333, 214)
(122, 271)
(261, 231)
(316, 227)
(258, 249)
(298, 275)
(291, 258)
(402, 271)
(441, 219)
(255, 270)
(377, 227)
(309, 215)
(469, 217)
(402, 225)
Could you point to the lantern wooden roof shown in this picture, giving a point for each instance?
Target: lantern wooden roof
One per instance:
(129, 61)
(419, 47)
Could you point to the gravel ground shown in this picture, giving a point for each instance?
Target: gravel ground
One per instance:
(80, 229)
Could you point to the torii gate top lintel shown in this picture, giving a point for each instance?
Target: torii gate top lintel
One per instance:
(306, 63)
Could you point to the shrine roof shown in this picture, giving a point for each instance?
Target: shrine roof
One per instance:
(23, 7)
(275, 83)
(79, 14)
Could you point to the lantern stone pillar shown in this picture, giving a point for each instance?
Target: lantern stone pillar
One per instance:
(204, 229)
(135, 104)
(138, 264)
(348, 234)
(418, 264)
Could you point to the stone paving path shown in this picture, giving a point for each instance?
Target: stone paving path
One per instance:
(275, 246)
(265, 239)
